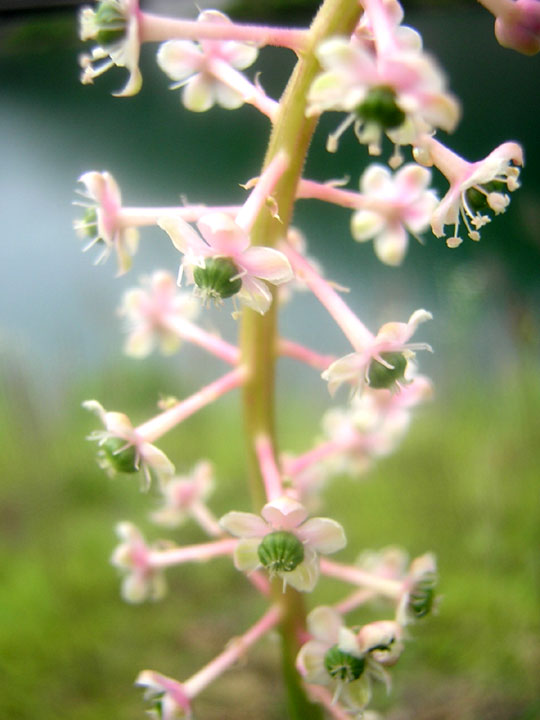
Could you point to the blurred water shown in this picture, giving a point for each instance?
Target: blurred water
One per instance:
(57, 312)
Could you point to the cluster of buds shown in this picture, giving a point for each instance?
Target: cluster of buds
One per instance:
(358, 59)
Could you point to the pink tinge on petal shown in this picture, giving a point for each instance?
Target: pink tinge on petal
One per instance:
(223, 235)
(411, 180)
(323, 535)
(183, 236)
(377, 180)
(284, 513)
(180, 59)
(268, 264)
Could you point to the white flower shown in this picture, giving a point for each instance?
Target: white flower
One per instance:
(284, 541)
(333, 658)
(168, 697)
(115, 27)
(382, 362)
(394, 205)
(476, 189)
(141, 581)
(241, 269)
(400, 92)
(182, 495)
(102, 223)
(191, 65)
(149, 308)
(122, 449)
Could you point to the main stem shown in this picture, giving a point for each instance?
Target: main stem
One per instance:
(291, 133)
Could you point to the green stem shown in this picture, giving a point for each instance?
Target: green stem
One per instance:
(291, 133)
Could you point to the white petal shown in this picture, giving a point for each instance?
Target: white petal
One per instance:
(226, 97)
(268, 264)
(390, 246)
(179, 59)
(323, 535)
(243, 524)
(304, 577)
(357, 693)
(255, 294)
(245, 555)
(377, 179)
(198, 94)
(324, 623)
(365, 224)
(310, 662)
(348, 642)
(183, 236)
(140, 343)
(156, 459)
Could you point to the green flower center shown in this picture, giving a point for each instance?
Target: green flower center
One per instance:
(111, 24)
(217, 279)
(379, 376)
(343, 666)
(380, 108)
(421, 597)
(89, 222)
(477, 200)
(280, 551)
(122, 461)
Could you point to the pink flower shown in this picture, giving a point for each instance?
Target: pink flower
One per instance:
(245, 267)
(115, 27)
(141, 581)
(193, 67)
(183, 496)
(394, 205)
(476, 189)
(382, 362)
(517, 25)
(400, 91)
(147, 310)
(122, 449)
(102, 223)
(284, 541)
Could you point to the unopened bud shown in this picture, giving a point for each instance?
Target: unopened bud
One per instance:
(280, 551)
(379, 376)
(218, 278)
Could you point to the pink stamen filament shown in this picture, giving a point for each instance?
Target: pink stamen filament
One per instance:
(235, 650)
(165, 421)
(357, 333)
(154, 28)
(357, 576)
(269, 470)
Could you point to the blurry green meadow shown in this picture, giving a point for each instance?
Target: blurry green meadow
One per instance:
(464, 484)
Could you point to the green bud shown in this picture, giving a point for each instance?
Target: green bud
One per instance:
(421, 596)
(477, 200)
(380, 108)
(215, 278)
(343, 666)
(111, 24)
(280, 551)
(123, 461)
(380, 376)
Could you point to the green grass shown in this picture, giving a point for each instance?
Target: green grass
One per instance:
(464, 485)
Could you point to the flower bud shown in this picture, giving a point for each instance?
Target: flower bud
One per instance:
(342, 665)
(110, 24)
(380, 108)
(382, 640)
(280, 551)
(120, 460)
(421, 597)
(218, 278)
(379, 376)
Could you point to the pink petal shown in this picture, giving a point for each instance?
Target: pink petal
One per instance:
(223, 235)
(323, 535)
(268, 264)
(284, 513)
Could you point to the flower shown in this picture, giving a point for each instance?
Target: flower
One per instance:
(476, 189)
(122, 449)
(141, 581)
(147, 310)
(284, 541)
(168, 697)
(191, 65)
(382, 362)
(418, 598)
(101, 223)
(115, 27)
(394, 205)
(183, 495)
(222, 263)
(401, 92)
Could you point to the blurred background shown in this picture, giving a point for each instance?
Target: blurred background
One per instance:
(465, 484)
